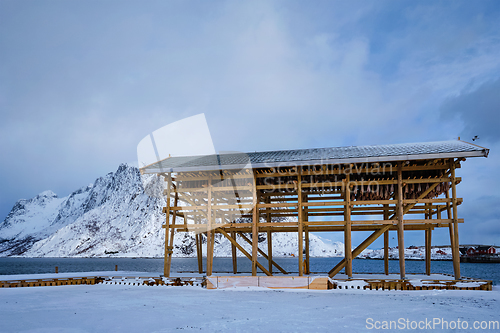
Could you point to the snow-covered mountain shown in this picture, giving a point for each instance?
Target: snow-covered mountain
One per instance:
(114, 217)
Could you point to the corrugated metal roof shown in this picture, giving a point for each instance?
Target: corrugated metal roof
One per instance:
(336, 155)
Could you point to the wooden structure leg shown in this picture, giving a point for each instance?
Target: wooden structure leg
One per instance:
(210, 238)
(386, 252)
(386, 242)
(347, 230)
(270, 250)
(171, 245)
(255, 230)
(450, 226)
(306, 261)
(168, 248)
(307, 269)
(169, 230)
(199, 249)
(428, 243)
(300, 231)
(166, 271)
(172, 230)
(428, 234)
(401, 229)
(269, 239)
(233, 254)
(455, 249)
(212, 244)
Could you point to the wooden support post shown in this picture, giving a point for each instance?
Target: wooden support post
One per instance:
(166, 269)
(428, 235)
(270, 250)
(210, 238)
(300, 228)
(456, 243)
(233, 254)
(172, 233)
(450, 225)
(197, 238)
(428, 246)
(400, 213)
(269, 239)
(386, 242)
(255, 230)
(212, 244)
(306, 235)
(347, 228)
(199, 246)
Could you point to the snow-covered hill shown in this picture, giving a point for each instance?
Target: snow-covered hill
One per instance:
(413, 253)
(114, 217)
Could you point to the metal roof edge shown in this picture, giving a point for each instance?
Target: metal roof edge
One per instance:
(483, 153)
(470, 143)
(485, 150)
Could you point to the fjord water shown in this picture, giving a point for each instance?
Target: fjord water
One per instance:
(9, 265)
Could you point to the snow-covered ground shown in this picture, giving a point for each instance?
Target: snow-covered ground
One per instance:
(118, 308)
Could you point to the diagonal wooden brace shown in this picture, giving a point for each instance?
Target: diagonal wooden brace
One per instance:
(357, 251)
(262, 253)
(222, 231)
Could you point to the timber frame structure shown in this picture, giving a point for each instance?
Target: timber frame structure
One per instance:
(346, 189)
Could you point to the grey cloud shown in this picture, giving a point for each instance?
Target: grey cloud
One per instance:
(478, 110)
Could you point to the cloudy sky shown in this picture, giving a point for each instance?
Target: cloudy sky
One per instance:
(82, 82)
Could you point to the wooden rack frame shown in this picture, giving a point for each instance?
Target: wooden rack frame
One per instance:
(377, 197)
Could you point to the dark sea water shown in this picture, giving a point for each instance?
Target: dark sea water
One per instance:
(487, 271)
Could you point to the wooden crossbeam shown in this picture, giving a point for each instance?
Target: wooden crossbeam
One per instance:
(314, 184)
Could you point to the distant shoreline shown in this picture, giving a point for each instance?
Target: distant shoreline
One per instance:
(406, 259)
